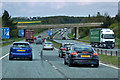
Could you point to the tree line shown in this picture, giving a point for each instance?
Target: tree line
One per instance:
(11, 22)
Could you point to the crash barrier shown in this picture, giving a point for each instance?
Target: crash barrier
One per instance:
(2, 42)
(108, 52)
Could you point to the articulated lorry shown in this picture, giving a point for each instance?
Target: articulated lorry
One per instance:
(29, 35)
(103, 38)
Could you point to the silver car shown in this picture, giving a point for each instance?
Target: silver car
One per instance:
(48, 45)
(38, 41)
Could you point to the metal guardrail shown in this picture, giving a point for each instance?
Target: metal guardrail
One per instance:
(6, 42)
(108, 52)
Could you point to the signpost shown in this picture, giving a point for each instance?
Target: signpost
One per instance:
(49, 33)
(4, 33)
(21, 32)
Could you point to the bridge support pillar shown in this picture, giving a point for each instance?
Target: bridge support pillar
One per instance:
(76, 32)
(24, 32)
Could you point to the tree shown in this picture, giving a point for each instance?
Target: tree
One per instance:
(7, 21)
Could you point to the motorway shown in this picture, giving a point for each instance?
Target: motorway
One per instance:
(46, 64)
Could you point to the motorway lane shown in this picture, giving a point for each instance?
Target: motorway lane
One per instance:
(49, 65)
(52, 68)
(29, 69)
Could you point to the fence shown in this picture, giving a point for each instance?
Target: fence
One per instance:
(108, 52)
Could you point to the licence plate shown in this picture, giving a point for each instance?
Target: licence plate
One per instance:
(85, 55)
(20, 50)
(48, 45)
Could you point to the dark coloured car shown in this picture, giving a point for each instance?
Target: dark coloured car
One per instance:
(20, 50)
(81, 54)
(62, 49)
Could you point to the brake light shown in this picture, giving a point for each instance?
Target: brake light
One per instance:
(74, 53)
(84, 52)
(63, 49)
(95, 54)
(44, 45)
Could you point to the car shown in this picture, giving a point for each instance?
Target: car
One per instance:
(62, 49)
(81, 54)
(48, 46)
(63, 38)
(20, 50)
(38, 41)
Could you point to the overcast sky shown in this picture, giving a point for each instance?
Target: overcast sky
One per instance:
(30, 9)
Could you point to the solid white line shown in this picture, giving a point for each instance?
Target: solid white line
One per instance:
(56, 49)
(109, 66)
(4, 56)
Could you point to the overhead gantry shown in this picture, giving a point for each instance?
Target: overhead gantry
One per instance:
(73, 25)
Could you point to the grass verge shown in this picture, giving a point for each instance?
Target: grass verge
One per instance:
(113, 60)
(56, 45)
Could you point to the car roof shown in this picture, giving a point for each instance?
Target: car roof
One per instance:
(77, 45)
(48, 42)
(67, 43)
(21, 42)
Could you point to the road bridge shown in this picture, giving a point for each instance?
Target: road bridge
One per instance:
(73, 25)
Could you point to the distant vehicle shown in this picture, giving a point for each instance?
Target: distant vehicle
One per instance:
(47, 46)
(104, 38)
(64, 38)
(81, 54)
(38, 41)
(62, 49)
(20, 50)
(29, 35)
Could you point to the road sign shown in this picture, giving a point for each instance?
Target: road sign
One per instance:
(49, 33)
(21, 32)
(4, 33)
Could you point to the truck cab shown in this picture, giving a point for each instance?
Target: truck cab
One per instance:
(107, 38)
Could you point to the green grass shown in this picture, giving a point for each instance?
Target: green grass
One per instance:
(108, 59)
(71, 36)
(14, 39)
(56, 45)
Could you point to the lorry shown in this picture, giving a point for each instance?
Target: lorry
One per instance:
(102, 37)
(29, 35)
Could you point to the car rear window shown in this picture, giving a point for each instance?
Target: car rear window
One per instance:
(48, 43)
(20, 45)
(81, 49)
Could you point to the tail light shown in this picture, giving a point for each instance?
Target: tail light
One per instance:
(63, 49)
(95, 54)
(44, 45)
(74, 53)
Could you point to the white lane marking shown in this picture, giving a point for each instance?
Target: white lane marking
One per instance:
(109, 66)
(4, 56)
(56, 49)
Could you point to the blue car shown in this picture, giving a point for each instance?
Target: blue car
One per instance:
(20, 50)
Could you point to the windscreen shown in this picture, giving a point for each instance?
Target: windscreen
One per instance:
(83, 49)
(20, 45)
(109, 36)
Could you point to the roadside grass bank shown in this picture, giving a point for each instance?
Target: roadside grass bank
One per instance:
(55, 44)
(112, 60)
(14, 40)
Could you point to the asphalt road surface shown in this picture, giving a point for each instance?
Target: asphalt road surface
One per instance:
(46, 64)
